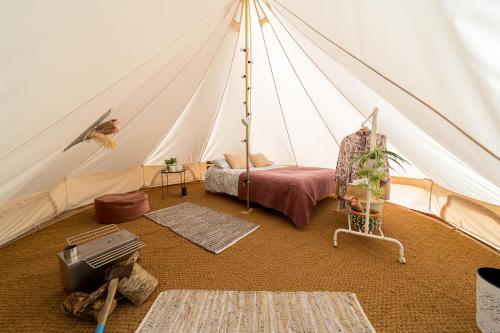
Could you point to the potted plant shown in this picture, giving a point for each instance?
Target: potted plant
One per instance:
(171, 164)
(371, 168)
(371, 174)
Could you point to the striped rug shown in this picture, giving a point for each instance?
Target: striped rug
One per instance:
(203, 226)
(255, 311)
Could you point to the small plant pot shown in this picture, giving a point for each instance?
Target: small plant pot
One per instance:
(377, 204)
(357, 220)
(172, 168)
(370, 164)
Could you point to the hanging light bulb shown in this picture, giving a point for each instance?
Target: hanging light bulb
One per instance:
(247, 121)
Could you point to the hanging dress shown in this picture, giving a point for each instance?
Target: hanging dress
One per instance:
(350, 148)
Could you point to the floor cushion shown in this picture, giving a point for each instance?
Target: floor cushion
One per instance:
(120, 207)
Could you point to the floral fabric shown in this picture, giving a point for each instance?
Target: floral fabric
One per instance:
(350, 147)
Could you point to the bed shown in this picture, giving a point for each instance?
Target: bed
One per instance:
(294, 191)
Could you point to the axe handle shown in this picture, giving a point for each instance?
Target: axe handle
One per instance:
(104, 313)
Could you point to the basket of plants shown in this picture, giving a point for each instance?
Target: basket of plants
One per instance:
(357, 220)
(357, 216)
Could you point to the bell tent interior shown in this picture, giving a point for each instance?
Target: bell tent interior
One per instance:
(279, 119)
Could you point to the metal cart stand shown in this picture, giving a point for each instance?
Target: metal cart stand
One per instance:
(366, 230)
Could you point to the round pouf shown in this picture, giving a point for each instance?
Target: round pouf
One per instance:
(488, 299)
(120, 207)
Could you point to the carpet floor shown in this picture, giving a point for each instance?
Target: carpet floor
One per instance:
(433, 292)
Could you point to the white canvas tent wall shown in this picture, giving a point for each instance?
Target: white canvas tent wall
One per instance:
(171, 70)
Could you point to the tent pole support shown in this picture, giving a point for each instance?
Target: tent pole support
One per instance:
(247, 119)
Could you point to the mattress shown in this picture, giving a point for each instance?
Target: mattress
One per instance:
(225, 180)
(294, 190)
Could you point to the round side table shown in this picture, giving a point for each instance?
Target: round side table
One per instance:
(182, 175)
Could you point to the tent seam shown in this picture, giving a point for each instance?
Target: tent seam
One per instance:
(161, 90)
(301, 83)
(204, 150)
(277, 94)
(177, 74)
(192, 95)
(409, 93)
(315, 64)
(113, 84)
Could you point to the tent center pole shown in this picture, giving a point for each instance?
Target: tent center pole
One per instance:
(248, 116)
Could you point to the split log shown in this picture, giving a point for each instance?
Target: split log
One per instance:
(138, 286)
(85, 306)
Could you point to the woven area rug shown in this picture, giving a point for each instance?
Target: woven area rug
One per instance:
(255, 311)
(203, 226)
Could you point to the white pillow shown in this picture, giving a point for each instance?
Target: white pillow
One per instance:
(221, 163)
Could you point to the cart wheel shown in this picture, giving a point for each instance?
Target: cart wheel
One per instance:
(402, 260)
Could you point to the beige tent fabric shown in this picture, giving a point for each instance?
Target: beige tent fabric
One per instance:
(172, 77)
(412, 44)
(22, 215)
(477, 218)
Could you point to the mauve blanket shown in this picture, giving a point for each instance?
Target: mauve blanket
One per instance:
(292, 190)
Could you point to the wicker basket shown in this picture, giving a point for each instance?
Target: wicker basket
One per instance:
(357, 220)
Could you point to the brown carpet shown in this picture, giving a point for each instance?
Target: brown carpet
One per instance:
(433, 292)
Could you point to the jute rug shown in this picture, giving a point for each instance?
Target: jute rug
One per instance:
(203, 226)
(255, 311)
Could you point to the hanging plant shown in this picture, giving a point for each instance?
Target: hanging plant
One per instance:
(371, 164)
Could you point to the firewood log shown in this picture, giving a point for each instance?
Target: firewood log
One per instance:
(94, 296)
(138, 286)
(85, 306)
